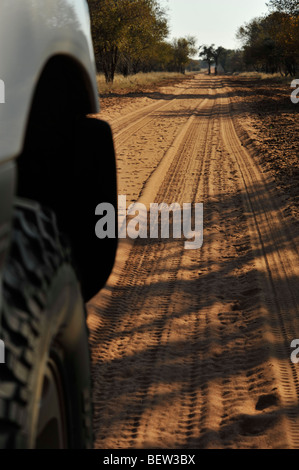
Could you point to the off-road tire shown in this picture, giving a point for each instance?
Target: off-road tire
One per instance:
(44, 329)
(77, 172)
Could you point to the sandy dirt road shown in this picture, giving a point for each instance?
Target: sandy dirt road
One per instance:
(191, 348)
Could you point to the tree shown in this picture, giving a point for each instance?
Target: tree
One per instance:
(206, 53)
(125, 28)
(183, 48)
(143, 38)
(161, 58)
(233, 61)
(216, 54)
(271, 43)
(290, 7)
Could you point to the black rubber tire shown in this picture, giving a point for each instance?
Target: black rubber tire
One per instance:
(42, 322)
(94, 174)
(77, 172)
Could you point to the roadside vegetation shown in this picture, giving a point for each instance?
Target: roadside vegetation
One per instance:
(271, 43)
(137, 82)
(130, 37)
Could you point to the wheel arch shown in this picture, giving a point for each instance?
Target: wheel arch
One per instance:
(64, 63)
(68, 165)
(63, 93)
(80, 86)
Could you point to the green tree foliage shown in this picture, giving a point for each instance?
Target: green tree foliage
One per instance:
(285, 6)
(161, 58)
(126, 31)
(271, 43)
(182, 49)
(216, 53)
(232, 61)
(206, 53)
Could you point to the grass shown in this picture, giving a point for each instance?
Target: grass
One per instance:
(275, 77)
(135, 82)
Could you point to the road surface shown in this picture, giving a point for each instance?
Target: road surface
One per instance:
(191, 348)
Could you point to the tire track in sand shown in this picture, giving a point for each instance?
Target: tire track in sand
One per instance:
(278, 265)
(184, 138)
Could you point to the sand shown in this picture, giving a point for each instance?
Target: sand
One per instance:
(191, 348)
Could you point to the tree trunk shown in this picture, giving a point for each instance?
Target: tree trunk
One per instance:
(109, 61)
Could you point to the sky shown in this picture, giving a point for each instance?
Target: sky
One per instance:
(212, 21)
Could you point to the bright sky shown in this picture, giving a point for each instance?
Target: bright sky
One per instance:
(212, 21)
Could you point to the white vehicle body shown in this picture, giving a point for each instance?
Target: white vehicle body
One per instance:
(31, 33)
